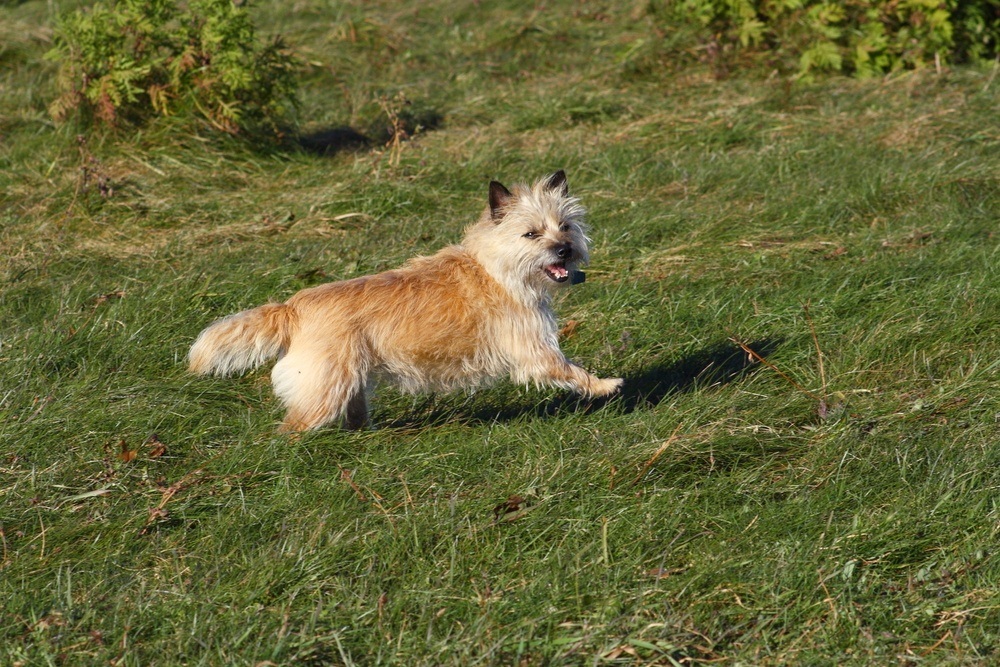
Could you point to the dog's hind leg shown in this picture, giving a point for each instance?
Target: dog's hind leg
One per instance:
(356, 417)
(317, 387)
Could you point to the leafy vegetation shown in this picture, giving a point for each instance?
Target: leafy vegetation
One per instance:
(863, 37)
(834, 504)
(128, 60)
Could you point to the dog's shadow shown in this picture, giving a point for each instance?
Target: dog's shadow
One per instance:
(718, 364)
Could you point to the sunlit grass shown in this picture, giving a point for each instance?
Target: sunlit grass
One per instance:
(720, 510)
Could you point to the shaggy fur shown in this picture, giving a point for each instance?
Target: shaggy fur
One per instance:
(471, 313)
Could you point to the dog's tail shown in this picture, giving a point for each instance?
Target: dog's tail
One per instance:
(242, 341)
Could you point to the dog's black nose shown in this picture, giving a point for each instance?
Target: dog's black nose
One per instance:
(564, 251)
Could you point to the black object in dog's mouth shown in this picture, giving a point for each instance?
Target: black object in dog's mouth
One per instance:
(557, 272)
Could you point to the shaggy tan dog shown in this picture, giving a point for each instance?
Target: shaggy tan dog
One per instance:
(468, 314)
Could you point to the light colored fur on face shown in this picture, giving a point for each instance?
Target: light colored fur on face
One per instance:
(469, 314)
(517, 262)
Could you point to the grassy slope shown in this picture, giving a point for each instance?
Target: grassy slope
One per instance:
(767, 529)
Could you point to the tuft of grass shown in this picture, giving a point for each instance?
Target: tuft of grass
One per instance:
(840, 511)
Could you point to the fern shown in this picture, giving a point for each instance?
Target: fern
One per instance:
(127, 61)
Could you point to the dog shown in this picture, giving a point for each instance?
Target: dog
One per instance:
(471, 313)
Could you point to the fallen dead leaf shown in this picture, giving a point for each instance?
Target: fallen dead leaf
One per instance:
(160, 512)
(618, 651)
(156, 447)
(663, 572)
(110, 296)
(569, 329)
(512, 504)
(53, 620)
(156, 513)
(126, 454)
(512, 509)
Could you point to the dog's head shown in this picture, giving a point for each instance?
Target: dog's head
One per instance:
(531, 237)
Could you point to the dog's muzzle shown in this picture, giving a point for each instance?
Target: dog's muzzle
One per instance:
(558, 271)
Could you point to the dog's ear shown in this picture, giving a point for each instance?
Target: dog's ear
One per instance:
(499, 198)
(557, 182)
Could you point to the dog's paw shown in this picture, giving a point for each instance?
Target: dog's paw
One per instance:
(606, 387)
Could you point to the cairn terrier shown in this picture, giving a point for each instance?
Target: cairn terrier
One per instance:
(471, 313)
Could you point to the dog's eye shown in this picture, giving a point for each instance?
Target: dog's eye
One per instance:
(564, 228)
(532, 235)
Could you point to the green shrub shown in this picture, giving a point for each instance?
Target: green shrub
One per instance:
(860, 37)
(129, 60)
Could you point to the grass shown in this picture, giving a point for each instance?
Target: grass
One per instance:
(719, 511)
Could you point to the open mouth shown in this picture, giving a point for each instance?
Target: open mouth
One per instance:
(557, 272)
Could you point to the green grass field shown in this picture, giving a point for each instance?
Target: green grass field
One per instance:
(838, 504)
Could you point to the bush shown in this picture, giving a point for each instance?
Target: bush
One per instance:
(129, 60)
(860, 37)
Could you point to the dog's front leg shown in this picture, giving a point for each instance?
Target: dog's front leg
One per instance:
(550, 367)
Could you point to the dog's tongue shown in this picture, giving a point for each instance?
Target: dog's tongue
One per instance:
(558, 271)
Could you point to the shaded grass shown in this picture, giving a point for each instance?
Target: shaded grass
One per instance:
(766, 531)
